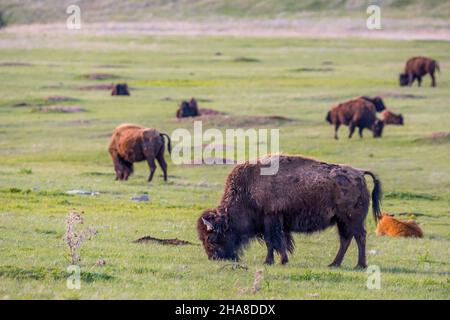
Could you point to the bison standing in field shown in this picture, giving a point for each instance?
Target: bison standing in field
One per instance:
(120, 89)
(304, 196)
(132, 143)
(389, 117)
(416, 68)
(359, 112)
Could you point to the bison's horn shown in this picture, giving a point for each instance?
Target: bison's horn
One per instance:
(209, 226)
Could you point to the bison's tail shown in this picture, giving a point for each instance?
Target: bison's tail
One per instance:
(169, 143)
(376, 196)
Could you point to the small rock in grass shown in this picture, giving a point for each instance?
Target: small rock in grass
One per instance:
(100, 262)
(83, 192)
(141, 198)
(373, 252)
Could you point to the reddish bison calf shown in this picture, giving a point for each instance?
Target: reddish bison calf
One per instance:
(132, 143)
(389, 117)
(416, 68)
(359, 112)
(392, 227)
(304, 196)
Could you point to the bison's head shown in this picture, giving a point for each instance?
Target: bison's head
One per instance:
(328, 117)
(216, 236)
(377, 128)
(403, 79)
(379, 104)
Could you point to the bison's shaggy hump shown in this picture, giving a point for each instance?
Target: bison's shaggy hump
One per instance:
(305, 195)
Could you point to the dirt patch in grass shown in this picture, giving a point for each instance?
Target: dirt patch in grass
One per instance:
(246, 60)
(229, 121)
(59, 99)
(112, 66)
(21, 104)
(97, 87)
(172, 242)
(15, 64)
(442, 137)
(59, 109)
(313, 69)
(398, 95)
(100, 76)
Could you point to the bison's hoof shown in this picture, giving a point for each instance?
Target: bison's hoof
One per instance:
(268, 262)
(334, 265)
(361, 266)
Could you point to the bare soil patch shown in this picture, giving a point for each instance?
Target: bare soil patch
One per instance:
(59, 98)
(224, 120)
(173, 242)
(100, 76)
(436, 137)
(398, 95)
(60, 109)
(97, 87)
(14, 64)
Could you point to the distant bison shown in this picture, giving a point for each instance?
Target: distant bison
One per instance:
(120, 89)
(392, 227)
(188, 109)
(359, 112)
(416, 68)
(389, 117)
(304, 196)
(132, 143)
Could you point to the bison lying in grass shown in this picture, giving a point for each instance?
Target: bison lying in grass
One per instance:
(304, 196)
(416, 68)
(392, 227)
(359, 112)
(389, 117)
(188, 109)
(132, 143)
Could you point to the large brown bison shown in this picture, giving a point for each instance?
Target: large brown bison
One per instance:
(304, 196)
(132, 143)
(416, 68)
(359, 112)
(389, 117)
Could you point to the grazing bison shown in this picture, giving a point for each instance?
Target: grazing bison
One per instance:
(188, 109)
(132, 143)
(304, 196)
(392, 227)
(389, 117)
(359, 113)
(416, 68)
(120, 89)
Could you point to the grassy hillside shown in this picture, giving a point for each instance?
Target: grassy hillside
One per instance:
(44, 11)
(43, 155)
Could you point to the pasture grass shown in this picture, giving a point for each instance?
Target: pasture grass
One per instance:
(44, 155)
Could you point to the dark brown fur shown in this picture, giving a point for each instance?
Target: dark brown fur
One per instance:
(358, 112)
(120, 89)
(389, 117)
(418, 67)
(132, 143)
(304, 196)
(188, 109)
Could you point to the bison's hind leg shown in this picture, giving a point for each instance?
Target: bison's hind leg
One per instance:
(360, 237)
(276, 239)
(345, 237)
(162, 163)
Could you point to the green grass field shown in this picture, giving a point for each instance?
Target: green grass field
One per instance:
(43, 155)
